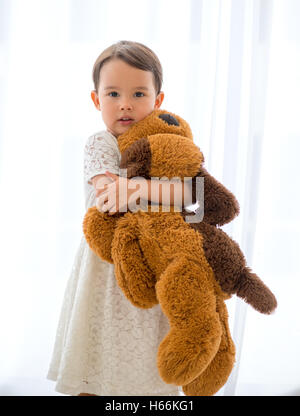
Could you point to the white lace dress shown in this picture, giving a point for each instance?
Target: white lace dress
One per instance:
(104, 345)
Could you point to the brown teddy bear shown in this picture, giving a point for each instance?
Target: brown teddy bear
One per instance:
(189, 268)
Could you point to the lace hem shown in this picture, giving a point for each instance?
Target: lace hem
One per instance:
(107, 390)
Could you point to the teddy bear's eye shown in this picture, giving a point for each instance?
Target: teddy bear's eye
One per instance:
(169, 119)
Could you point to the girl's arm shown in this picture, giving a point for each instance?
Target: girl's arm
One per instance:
(116, 196)
(164, 192)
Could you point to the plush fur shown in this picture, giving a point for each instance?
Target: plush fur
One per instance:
(189, 268)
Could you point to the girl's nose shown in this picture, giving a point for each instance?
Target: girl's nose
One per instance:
(126, 106)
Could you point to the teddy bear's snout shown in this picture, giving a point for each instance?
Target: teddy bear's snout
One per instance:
(172, 121)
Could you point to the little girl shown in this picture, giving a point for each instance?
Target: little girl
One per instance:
(104, 345)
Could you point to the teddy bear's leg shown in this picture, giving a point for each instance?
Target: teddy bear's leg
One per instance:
(133, 273)
(216, 374)
(98, 229)
(229, 265)
(186, 294)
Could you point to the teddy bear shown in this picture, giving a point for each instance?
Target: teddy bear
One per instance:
(189, 268)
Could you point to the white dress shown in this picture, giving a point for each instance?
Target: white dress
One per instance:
(104, 345)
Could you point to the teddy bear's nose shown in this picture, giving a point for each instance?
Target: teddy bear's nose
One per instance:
(169, 119)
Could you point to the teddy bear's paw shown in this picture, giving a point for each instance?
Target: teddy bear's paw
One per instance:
(213, 378)
(184, 354)
(98, 228)
(253, 291)
(217, 372)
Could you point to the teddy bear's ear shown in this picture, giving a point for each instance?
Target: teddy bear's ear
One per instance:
(172, 121)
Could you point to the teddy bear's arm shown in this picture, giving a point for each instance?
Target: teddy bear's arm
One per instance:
(220, 205)
(98, 229)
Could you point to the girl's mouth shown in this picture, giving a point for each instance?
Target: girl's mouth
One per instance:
(125, 121)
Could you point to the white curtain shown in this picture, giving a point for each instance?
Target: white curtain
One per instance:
(231, 69)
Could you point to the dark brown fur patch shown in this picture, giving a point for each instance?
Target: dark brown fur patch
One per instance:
(137, 159)
(229, 265)
(220, 205)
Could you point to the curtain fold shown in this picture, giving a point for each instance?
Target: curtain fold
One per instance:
(254, 79)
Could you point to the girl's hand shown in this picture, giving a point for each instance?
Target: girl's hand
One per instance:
(100, 183)
(116, 195)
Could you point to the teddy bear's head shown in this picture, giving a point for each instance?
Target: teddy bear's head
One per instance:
(157, 122)
(160, 145)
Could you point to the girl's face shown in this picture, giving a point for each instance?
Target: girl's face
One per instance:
(125, 92)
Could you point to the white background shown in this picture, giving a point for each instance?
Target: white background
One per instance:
(231, 69)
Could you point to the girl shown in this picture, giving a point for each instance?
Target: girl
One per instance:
(104, 345)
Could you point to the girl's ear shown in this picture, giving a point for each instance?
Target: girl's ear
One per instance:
(159, 99)
(95, 99)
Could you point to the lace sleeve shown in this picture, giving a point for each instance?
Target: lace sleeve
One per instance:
(100, 154)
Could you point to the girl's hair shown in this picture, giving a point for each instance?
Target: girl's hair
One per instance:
(133, 53)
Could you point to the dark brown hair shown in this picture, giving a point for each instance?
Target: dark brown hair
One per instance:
(134, 54)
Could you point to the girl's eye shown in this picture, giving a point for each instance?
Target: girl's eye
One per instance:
(139, 94)
(113, 94)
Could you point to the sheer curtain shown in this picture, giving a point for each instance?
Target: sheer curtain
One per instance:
(231, 68)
